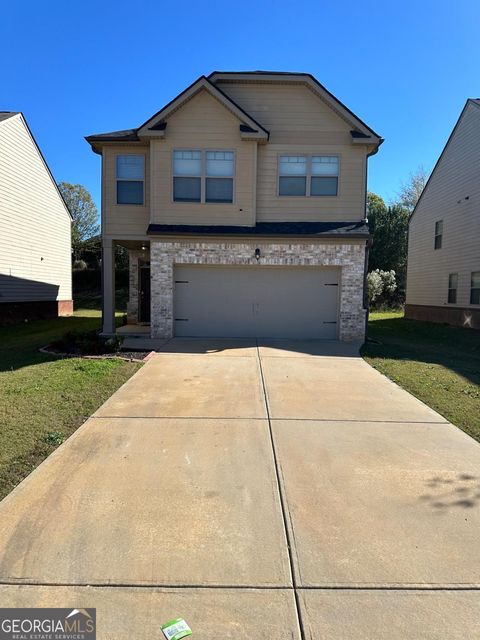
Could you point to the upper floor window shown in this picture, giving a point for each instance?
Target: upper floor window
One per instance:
(475, 288)
(203, 176)
(452, 288)
(438, 234)
(130, 179)
(307, 175)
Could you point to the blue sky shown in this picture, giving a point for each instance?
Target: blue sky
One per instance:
(76, 68)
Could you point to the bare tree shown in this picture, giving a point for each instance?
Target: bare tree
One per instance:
(411, 190)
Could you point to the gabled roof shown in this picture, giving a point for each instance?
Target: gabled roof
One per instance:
(156, 125)
(308, 79)
(6, 115)
(250, 128)
(202, 83)
(125, 134)
(474, 101)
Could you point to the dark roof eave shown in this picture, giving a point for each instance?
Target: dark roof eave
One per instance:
(304, 230)
(313, 236)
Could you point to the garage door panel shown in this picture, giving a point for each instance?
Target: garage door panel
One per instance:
(256, 301)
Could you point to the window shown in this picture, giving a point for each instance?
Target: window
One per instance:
(203, 176)
(308, 175)
(475, 288)
(130, 177)
(438, 234)
(187, 176)
(292, 176)
(219, 176)
(324, 180)
(452, 288)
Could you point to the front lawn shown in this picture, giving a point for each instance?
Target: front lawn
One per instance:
(43, 398)
(438, 364)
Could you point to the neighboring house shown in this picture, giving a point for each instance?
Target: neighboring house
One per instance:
(242, 203)
(35, 230)
(443, 275)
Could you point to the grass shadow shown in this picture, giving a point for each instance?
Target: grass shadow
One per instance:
(398, 338)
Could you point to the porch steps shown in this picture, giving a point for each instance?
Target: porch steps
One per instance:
(141, 343)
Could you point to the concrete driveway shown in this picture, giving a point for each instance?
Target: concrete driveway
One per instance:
(283, 490)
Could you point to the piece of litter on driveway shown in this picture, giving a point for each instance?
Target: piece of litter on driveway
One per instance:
(176, 629)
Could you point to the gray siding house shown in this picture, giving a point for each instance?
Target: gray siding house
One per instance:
(443, 273)
(35, 230)
(242, 205)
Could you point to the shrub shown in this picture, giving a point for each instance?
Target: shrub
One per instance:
(86, 343)
(381, 287)
(79, 265)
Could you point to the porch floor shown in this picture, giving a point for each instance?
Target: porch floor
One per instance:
(134, 330)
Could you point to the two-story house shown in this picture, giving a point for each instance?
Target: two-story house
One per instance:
(35, 230)
(443, 274)
(242, 203)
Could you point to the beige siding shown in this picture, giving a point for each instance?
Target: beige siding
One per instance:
(300, 122)
(456, 177)
(348, 205)
(35, 228)
(123, 220)
(203, 123)
(291, 112)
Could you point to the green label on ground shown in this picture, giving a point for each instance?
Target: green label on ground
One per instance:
(176, 629)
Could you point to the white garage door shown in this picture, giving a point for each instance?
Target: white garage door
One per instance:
(256, 301)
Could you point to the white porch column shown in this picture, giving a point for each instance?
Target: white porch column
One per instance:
(108, 287)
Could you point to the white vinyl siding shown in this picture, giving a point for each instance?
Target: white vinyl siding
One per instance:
(35, 228)
(452, 197)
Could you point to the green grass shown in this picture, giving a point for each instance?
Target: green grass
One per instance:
(43, 398)
(438, 364)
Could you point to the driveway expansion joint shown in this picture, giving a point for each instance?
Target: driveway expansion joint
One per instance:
(286, 517)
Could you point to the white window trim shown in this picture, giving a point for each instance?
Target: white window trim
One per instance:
(308, 175)
(475, 304)
(117, 180)
(449, 288)
(437, 235)
(203, 177)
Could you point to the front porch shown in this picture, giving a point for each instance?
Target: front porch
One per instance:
(138, 298)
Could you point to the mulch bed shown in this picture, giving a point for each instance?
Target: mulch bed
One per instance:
(135, 356)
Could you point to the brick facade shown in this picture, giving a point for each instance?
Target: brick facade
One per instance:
(350, 257)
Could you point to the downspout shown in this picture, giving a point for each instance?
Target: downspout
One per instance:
(367, 251)
(102, 265)
(366, 306)
(369, 242)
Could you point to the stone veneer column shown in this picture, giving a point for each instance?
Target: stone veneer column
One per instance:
(352, 313)
(349, 257)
